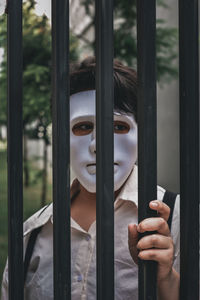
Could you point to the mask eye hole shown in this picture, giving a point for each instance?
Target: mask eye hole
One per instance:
(82, 128)
(121, 127)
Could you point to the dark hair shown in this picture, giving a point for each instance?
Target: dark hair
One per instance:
(82, 78)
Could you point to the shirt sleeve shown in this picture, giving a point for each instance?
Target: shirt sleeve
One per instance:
(4, 286)
(175, 233)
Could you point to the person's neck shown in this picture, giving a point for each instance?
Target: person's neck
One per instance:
(88, 197)
(83, 208)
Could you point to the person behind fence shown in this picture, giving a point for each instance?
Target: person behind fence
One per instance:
(162, 246)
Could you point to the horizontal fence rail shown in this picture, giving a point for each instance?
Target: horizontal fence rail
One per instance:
(147, 148)
(61, 150)
(189, 148)
(15, 182)
(104, 144)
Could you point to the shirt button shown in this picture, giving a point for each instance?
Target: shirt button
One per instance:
(87, 237)
(79, 278)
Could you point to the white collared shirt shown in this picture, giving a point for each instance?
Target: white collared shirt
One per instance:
(39, 283)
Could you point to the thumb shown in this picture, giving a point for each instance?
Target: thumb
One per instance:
(132, 241)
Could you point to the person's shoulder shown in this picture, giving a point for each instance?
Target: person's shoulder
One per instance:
(40, 218)
(161, 192)
(160, 195)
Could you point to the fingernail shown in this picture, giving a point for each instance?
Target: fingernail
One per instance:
(154, 204)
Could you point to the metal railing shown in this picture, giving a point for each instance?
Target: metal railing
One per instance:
(189, 154)
(15, 182)
(61, 150)
(189, 148)
(147, 146)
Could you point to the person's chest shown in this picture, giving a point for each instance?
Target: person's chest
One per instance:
(84, 216)
(83, 261)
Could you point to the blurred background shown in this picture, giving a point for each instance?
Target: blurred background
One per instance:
(37, 128)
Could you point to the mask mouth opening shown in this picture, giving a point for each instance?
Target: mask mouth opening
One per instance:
(94, 164)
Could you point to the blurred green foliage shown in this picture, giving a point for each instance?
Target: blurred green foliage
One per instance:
(125, 40)
(36, 66)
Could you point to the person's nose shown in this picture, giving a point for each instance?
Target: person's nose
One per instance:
(93, 142)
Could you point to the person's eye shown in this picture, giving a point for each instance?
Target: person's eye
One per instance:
(121, 127)
(82, 128)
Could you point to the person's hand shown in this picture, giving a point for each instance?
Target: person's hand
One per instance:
(158, 246)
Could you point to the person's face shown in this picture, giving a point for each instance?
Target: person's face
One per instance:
(83, 142)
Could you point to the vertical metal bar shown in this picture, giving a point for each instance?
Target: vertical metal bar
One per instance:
(15, 182)
(61, 150)
(147, 147)
(189, 145)
(104, 120)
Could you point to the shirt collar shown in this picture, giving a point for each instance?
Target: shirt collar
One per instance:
(129, 191)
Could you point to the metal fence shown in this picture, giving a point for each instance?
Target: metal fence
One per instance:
(189, 145)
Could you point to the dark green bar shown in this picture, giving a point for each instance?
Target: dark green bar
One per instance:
(147, 140)
(61, 150)
(189, 147)
(15, 182)
(104, 161)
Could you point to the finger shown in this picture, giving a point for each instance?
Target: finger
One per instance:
(155, 241)
(154, 224)
(164, 257)
(162, 209)
(132, 241)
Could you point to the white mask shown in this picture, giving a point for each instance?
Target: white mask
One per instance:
(83, 142)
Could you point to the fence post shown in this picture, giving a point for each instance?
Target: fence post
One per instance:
(147, 148)
(104, 143)
(189, 148)
(61, 150)
(15, 182)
